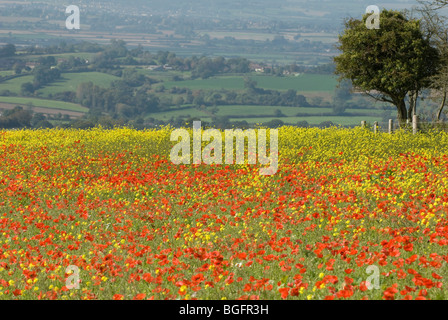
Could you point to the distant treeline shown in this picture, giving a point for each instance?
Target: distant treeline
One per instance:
(131, 96)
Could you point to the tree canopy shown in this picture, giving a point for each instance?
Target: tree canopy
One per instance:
(387, 63)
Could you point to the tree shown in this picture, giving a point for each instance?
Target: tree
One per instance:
(8, 50)
(339, 106)
(17, 67)
(27, 88)
(274, 123)
(44, 75)
(439, 4)
(341, 94)
(250, 85)
(278, 113)
(47, 61)
(16, 118)
(388, 63)
(436, 29)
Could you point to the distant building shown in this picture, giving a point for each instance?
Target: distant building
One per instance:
(32, 64)
(155, 68)
(256, 67)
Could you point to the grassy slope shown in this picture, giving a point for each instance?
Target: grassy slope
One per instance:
(14, 85)
(302, 83)
(36, 102)
(316, 114)
(314, 120)
(70, 82)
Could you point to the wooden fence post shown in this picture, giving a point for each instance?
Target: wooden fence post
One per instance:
(375, 127)
(391, 125)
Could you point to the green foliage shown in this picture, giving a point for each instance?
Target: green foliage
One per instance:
(341, 95)
(44, 74)
(15, 118)
(392, 60)
(8, 50)
(27, 88)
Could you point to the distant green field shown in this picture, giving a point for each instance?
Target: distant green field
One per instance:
(71, 81)
(84, 55)
(345, 121)
(242, 110)
(238, 113)
(6, 73)
(52, 104)
(237, 110)
(190, 112)
(14, 85)
(302, 83)
(163, 75)
(223, 82)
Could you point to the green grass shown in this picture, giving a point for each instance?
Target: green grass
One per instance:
(52, 104)
(247, 110)
(14, 85)
(314, 120)
(302, 83)
(68, 82)
(71, 81)
(83, 55)
(216, 83)
(163, 75)
(239, 110)
(190, 112)
(6, 73)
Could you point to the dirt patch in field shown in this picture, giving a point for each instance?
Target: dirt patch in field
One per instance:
(49, 111)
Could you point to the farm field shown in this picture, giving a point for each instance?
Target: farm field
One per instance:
(266, 110)
(109, 203)
(251, 114)
(71, 81)
(314, 120)
(6, 73)
(301, 83)
(14, 85)
(51, 104)
(287, 111)
(260, 36)
(83, 55)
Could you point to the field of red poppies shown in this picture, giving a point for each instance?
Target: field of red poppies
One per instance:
(104, 214)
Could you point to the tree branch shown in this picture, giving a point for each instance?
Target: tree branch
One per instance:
(382, 98)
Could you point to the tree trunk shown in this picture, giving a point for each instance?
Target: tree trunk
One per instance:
(411, 108)
(402, 112)
(414, 109)
(439, 113)
(413, 96)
